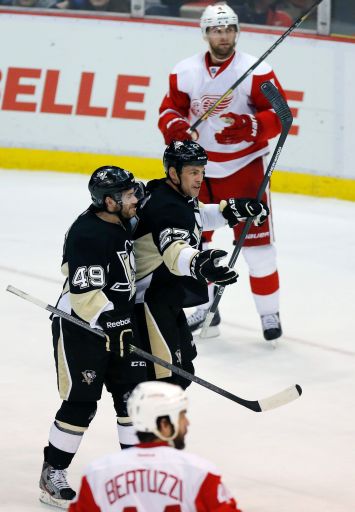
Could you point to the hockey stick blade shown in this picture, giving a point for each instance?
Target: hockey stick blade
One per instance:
(279, 104)
(271, 402)
(258, 406)
(282, 398)
(283, 112)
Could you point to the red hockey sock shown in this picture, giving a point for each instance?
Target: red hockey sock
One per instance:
(265, 285)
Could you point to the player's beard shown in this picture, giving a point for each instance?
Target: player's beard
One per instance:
(179, 441)
(127, 211)
(222, 52)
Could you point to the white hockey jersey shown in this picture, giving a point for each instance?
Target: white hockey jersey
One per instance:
(152, 477)
(195, 85)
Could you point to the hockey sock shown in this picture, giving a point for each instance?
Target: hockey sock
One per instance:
(266, 293)
(126, 433)
(58, 459)
(264, 277)
(64, 441)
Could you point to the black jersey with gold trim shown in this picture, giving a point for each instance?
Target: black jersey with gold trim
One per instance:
(168, 223)
(98, 262)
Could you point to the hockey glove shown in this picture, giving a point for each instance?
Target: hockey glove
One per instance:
(238, 210)
(241, 128)
(118, 330)
(177, 130)
(204, 267)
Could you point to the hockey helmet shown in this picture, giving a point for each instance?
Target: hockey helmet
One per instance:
(187, 152)
(218, 15)
(152, 400)
(111, 181)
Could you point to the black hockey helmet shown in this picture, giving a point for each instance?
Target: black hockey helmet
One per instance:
(187, 152)
(111, 181)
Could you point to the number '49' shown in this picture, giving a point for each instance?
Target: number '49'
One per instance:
(84, 277)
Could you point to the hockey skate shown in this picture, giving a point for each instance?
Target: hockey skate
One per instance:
(195, 322)
(271, 326)
(55, 489)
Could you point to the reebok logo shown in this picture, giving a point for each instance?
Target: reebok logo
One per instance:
(119, 323)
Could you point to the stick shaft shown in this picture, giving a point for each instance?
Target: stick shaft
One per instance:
(54, 310)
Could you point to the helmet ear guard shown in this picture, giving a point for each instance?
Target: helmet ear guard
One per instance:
(219, 15)
(152, 400)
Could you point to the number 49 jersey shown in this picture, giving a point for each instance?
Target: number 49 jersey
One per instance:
(152, 477)
(98, 262)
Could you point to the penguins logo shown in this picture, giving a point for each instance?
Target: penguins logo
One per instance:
(89, 376)
(127, 261)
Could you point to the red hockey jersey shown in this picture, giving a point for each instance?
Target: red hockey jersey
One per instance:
(195, 84)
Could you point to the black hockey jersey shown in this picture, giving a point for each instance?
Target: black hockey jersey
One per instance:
(98, 262)
(168, 223)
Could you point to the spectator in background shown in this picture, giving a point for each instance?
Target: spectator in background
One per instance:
(163, 7)
(296, 8)
(37, 3)
(122, 6)
(262, 12)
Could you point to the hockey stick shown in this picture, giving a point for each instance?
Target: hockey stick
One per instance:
(255, 65)
(271, 402)
(284, 113)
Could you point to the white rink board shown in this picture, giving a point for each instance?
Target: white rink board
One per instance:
(323, 71)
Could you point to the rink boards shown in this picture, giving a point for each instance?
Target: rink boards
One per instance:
(78, 91)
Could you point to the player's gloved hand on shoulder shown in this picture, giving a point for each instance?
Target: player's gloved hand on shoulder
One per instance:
(177, 130)
(236, 210)
(119, 331)
(242, 128)
(204, 267)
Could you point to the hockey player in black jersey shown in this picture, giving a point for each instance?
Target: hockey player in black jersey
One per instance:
(99, 266)
(172, 271)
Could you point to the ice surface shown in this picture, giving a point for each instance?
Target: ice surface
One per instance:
(300, 457)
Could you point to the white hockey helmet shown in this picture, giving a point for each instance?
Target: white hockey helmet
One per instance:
(218, 15)
(152, 399)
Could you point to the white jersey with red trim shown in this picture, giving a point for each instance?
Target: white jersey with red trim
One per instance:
(195, 84)
(152, 477)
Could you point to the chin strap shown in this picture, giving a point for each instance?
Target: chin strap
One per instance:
(177, 186)
(118, 214)
(169, 439)
(180, 189)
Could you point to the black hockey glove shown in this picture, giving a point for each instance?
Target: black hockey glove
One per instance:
(118, 330)
(204, 267)
(238, 210)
